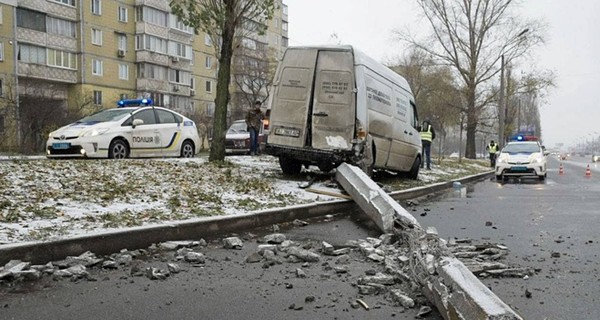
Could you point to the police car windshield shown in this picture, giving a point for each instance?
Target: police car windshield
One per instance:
(106, 115)
(521, 148)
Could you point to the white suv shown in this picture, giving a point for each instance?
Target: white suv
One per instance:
(521, 159)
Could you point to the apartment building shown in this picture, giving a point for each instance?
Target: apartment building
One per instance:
(71, 54)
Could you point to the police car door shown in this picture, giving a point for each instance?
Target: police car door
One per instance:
(146, 137)
(170, 132)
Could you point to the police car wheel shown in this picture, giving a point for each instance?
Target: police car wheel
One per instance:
(187, 149)
(118, 150)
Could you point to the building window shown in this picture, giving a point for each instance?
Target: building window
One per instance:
(151, 43)
(67, 2)
(207, 40)
(31, 54)
(61, 27)
(96, 67)
(2, 125)
(208, 62)
(1, 51)
(97, 7)
(151, 71)
(1, 88)
(122, 14)
(284, 26)
(151, 15)
(123, 96)
(97, 97)
(122, 42)
(179, 76)
(180, 50)
(63, 59)
(0, 14)
(123, 72)
(208, 86)
(31, 20)
(97, 37)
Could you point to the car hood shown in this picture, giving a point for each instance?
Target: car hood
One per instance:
(75, 129)
(521, 157)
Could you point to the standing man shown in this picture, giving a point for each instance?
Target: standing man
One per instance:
(492, 148)
(254, 121)
(427, 135)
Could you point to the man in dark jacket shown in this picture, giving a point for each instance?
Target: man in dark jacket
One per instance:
(254, 121)
(427, 135)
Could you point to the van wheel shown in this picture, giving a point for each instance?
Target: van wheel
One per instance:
(289, 166)
(498, 177)
(414, 171)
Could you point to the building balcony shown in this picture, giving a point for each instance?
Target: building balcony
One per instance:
(152, 57)
(163, 86)
(38, 71)
(148, 28)
(52, 8)
(46, 39)
(158, 4)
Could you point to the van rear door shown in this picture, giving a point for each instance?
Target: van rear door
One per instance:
(291, 100)
(334, 112)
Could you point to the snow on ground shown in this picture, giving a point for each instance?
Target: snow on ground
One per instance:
(44, 199)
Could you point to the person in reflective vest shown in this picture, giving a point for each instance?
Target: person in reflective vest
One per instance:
(492, 149)
(427, 135)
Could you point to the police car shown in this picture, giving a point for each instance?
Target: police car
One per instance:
(134, 129)
(521, 159)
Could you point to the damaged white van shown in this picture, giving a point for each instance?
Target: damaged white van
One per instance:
(334, 104)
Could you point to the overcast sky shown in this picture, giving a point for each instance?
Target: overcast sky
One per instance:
(572, 112)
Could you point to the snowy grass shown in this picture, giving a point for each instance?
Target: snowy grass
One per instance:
(51, 199)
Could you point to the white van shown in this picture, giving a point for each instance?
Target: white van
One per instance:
(334, 104)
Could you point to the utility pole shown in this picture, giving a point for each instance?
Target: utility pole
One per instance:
(501, 111)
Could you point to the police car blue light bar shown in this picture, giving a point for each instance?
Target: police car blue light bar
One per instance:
(134, 102)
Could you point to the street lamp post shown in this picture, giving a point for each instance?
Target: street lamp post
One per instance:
(501, 102)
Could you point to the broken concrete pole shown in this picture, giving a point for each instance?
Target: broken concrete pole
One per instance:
(375, 202)
(446, 281)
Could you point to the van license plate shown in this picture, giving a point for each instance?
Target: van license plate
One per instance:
(62, 146)
(287, 132)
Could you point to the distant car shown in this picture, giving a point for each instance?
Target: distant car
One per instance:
(564, 156)
(521, 159)
(595, 158)
(237, 138)
(130, 131)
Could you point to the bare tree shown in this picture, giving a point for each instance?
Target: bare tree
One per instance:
(226, 22)
(436, 95)
(472, 37)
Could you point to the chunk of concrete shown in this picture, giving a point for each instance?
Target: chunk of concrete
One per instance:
(373, 200)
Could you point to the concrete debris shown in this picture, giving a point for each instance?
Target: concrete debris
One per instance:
(110, 264)
(173, 268)
(401, 298)
(233, 243)
(76, 271)
(87, 259)
(263, 247)
(327, 248)
(300, 223)
(423, 311)
(275, 238)
(300, 273)
(174, 245)
(375, 257)
(195, 257)
(253, 257)
(378, 278)
(303, 255)
(124, 259)
(343, 259)
(156, 274)
(370, 289)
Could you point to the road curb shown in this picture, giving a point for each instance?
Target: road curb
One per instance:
(40, 252)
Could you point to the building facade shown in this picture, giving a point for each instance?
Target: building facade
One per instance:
(84, 55)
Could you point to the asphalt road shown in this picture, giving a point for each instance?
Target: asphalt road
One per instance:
(551, 226)
(222, 288)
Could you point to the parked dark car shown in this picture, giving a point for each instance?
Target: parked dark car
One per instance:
(237, 138)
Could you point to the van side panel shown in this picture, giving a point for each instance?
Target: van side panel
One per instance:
(292, 96)
(334, 105)
(380, 114)
(403, 151)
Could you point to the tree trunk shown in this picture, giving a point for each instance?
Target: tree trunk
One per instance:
(472, 119)
(217, 147)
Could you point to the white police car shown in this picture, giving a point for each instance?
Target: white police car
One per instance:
(135, 129)
(521, 159)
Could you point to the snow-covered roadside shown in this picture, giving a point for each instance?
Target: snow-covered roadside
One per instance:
(50, 199)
